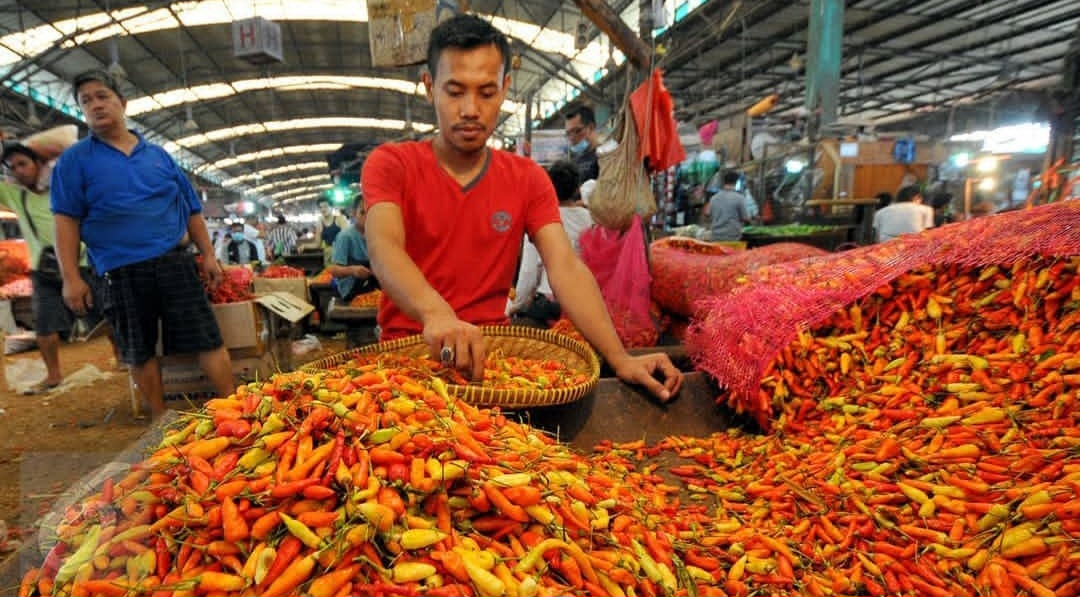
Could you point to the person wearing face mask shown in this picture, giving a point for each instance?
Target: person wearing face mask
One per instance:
(581, 135)
(446, 218)
(238, 249)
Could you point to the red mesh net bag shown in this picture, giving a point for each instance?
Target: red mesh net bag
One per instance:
(981, 304)
(684, 272)
(618, 262)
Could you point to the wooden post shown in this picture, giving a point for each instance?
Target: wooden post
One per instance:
(607, 20)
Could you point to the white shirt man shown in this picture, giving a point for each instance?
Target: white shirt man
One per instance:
(907, 215)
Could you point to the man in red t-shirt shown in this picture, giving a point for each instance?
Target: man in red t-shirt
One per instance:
(446, 219)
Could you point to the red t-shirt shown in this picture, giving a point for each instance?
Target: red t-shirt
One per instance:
(466, 241)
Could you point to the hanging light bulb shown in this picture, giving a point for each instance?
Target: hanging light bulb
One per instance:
(31, 114)
(114, 68)
(190, 124)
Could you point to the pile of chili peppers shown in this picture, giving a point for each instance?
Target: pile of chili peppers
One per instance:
(928, 444)
(281, 271)
(368, 300)
(500, 372)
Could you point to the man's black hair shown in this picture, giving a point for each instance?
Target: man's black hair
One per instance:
(585, 113)
(566, 179)
(280, 219)
(11, 149)
(884, 198)
(465, 32)
(321, 200)
(907, 193)
(357, 202)
(98, 75)
(731, 177)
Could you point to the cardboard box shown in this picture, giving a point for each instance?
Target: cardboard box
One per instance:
(241, 325)
(183, 375)
(297, 287)
(285, 305)
(398, 30)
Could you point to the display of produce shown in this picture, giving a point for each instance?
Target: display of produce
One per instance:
(14, 262)
(373, 481)
(565, 327)
(691, 245)
(740, 333)
(322, 277)
(500, 372)
(235, 285)
(17, 288)
(682, 278)
(281, 271)
(787, 230)
(368, 300)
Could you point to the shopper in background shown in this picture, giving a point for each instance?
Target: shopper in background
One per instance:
(238, 249)
(534, 302)
(282, 238)
(329, 224)
(351, 266)
(138, 238)
(726, 211)
(30, 202)
(581, 135)
(906, 215)
(446, 218)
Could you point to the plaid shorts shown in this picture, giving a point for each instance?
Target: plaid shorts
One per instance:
(165, 289)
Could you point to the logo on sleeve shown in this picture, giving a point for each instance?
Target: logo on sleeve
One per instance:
(500, 221)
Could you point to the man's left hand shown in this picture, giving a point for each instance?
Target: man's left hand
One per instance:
(212, 271)
(642, 370)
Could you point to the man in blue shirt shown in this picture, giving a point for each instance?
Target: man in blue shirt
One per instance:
(138, 215)
(350, 265)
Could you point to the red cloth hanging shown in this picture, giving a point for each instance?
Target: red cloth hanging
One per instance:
(654, 109)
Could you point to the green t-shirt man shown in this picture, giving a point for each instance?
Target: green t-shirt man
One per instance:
(37, 207)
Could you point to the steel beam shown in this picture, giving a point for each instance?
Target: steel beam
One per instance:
(607, 20)
(882, 78)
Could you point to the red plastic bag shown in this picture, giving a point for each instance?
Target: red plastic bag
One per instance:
(618, 262)
(654, 114)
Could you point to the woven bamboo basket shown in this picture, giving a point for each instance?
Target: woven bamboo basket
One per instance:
(511, 341)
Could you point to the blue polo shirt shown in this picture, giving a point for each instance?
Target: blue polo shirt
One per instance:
(130, 207)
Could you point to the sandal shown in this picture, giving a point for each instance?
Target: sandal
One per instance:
(40, 387)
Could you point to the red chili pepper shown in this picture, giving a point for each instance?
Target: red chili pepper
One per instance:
(335, 458)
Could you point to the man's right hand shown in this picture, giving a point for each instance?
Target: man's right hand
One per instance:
(77, 296)
(361, 272)
(462, 342)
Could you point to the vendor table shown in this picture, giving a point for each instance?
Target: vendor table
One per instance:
(359, 322)
(311, 263)
(828, 240)
(321, 295)
(863, 227)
